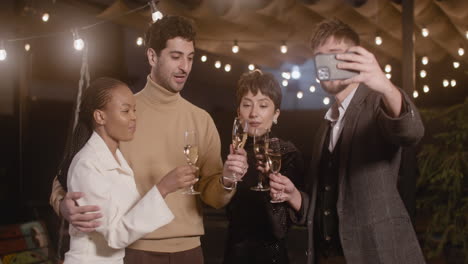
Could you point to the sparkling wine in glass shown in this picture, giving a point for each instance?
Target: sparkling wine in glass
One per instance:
(274, 162)
(191, 155)
(260, 139)
(239, 136)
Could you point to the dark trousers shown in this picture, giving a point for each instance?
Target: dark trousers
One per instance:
(192, 256)
(331, 260)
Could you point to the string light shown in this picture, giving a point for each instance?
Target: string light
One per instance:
(424, 60)
(453, 83)
(27, 47)
(295, 73)
(378, 40)
(317, 80)
(286, 75)
(78, 42)
(423, 74)
(139, 41)
(456, 64)
(45, 17)
(326, 101)
(235, 47)
(445, 83)
(285, 83)
(227, 67)
(388, 75)
(155, 13)
(251, 67)
(461, 51)
(312, 89)
(466, 34)
(299, 95)
(426, 88)
(388, 68)
(3, 53)
(425, 32)
(415, 94)
(218, 64)
(203, 58)
(284, 48)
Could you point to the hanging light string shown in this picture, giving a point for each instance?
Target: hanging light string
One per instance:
(47, 35)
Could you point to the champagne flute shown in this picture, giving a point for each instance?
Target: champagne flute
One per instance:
(191, 155)
(260, 139)
(239, 136)
(274, 161)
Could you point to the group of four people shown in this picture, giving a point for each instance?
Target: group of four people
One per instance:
(118, 185)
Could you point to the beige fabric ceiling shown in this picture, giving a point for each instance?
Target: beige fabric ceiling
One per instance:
(260, 26)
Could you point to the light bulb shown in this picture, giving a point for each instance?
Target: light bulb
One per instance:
(3, 54)
(423, 74)
(285, 83)
(203, 58)
(326, 101)
(27, 47)
(299, 95)
(218, 64)
(388, 75)
(235, 47)
(286, 75)
(466, 34)
(295, 73)
(388, 68)
(251, 67)
(415, 94)
(139, 41)
(461, 51)
(456, 64)
(317, 80)
(78, 44)
(424, 60)
(155, 13)
(378, 40)
(445, 83)
(284, 48)
(425, 32)
(45, 17)
(227, 67)
(426, 88)
(312, 89)
(453, 83)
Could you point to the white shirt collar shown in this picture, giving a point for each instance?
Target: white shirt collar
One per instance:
(341, 107)
(106, 159)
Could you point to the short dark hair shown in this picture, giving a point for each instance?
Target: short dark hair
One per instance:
(166, 28)
(257, 80)
(335, 28)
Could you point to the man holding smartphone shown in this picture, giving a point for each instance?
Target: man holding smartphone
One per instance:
(352, 207)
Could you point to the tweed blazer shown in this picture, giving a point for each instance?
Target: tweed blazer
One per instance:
(374, 225)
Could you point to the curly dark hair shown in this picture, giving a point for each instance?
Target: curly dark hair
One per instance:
(335, 28)
(96, 96)
(257, 80)
(167, 28)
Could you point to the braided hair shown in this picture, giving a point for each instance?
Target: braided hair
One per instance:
(95, 97)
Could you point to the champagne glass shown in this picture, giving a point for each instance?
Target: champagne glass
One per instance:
(191, 155)
(274, 161)
(239, 136)
(260, 139)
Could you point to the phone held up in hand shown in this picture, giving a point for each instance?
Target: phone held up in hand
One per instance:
(326, 70)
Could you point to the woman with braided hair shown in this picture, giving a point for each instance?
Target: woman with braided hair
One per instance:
(97, 168)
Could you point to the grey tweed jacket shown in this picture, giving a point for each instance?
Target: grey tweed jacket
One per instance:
(374, 225)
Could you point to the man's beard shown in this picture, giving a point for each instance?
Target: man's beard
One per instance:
(333, 87)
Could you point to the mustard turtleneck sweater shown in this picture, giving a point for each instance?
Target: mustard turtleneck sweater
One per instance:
(157, 148)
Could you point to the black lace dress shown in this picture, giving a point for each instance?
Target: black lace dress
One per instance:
(257, 228)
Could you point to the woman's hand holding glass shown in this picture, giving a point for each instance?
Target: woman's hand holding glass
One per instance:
(273, 152)
(283, 188)
(237, 165)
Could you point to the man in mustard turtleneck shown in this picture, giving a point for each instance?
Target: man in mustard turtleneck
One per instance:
(156, 153)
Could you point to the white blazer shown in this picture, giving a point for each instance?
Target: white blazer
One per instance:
(126, 215)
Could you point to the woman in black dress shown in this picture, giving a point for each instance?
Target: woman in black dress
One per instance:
(257, 228)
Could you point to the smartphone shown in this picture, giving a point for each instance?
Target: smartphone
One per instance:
(326, 70)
